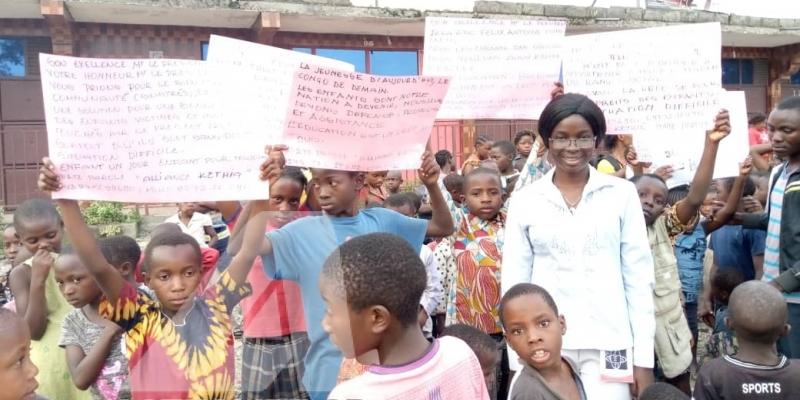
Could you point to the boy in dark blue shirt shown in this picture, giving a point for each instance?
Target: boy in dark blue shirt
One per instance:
(735, 246)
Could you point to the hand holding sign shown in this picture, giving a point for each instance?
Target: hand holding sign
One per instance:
(272, 168)
(48, 178)
(746, 166)
(722, 127)
(558, 91)
(429, 170)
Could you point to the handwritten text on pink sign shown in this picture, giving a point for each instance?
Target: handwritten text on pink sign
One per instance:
(358, 122)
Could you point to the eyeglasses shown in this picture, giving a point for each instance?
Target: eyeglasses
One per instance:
(582, 143)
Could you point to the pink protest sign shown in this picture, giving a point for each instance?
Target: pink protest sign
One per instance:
(358, 122)
(148, 131)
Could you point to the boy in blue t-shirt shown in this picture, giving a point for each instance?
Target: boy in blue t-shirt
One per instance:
(298, 250)
(735, 246)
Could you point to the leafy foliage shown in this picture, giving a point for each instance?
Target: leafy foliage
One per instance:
(105, 212)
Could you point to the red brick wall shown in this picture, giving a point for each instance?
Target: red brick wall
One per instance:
(136, 41)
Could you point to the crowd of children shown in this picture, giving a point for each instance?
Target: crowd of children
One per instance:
(554, 266)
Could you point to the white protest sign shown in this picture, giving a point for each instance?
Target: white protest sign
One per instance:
(263, 76)
(649, 81)
(500, 68)
(358, 122)
(683, 150)
(154, 130)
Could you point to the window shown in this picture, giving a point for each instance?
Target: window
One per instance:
(795, 79)
(12, 57)
(355, 57)
(393, 63)
(377, 62)
(204, 51)
(737, 72)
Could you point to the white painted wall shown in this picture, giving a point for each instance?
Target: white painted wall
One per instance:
(756, 8)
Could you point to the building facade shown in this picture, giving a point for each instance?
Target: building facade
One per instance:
(760, 55)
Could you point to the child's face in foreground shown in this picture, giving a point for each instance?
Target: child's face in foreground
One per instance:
(11, 244)
(393, 182)
(174, 275)
(653, 196)
(502, 160)
(784, 132)
(17, 372)
(525, 145)
(41, 234)
(348, 330)
(336, 190)
(484, 196)
(75, 282)
(284, 200)
(534, 331)
(375, 179)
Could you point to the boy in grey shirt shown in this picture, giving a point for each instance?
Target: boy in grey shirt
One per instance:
(533, 328)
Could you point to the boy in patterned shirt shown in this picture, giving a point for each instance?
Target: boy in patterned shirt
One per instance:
(179, 345)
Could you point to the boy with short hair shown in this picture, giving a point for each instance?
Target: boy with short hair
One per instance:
(123, 253)
(484, 347)
(455, 186)
(393, 182)
(533, 328)
(179, 344)
(502, 154)
(298, 250)
(445, 160)
(373, 192)
(758, 316)
(404, 204)
(523, 142)
(195, 224)
(722, 283)
(372, 316)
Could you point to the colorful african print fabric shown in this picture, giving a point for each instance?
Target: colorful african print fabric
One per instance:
(189, 360)
(474, 296)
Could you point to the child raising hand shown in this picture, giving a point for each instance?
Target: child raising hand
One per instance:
(178, 343)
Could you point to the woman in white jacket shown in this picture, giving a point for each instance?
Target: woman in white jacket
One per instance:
(581, 235)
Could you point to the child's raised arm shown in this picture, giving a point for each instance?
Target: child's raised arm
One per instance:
(107, 277)
(687, 209)
(252, 242)
(271, 170)
(727, 212)
(441, 223)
